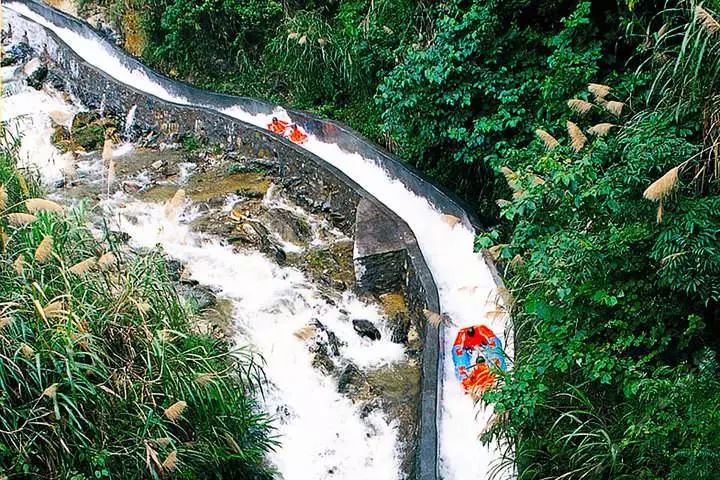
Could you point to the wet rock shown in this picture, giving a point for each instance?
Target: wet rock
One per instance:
(396, 311)
(354, 383)
(197, 295)
(16, 53)
(288, 225)
(174, 269)
(36, 73)
(365, 328)
(88, 130)
(322, 362)
(328, 336)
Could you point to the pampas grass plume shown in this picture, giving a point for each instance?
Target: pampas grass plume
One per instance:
(547, 139)
(174, 411)
(580, 106)
(663, 186)
(601, 129)
(598, 89)
(576, 135)
(3, 197)
(35, 205)
(43, 251)
(706, 20)
(83, 267)
(614, 107)
(19, 219)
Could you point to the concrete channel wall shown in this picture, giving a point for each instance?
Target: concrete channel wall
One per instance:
(386, 250)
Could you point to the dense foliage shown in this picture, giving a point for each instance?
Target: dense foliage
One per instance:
(608, 227)
(102, 374)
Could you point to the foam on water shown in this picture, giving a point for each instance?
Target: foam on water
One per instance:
(322, 433)
(32, 112)
(467, 291)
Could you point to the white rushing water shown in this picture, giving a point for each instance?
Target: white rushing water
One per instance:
(323, 434)
(467, 291)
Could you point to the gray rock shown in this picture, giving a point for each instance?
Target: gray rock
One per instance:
(200, 296)
(354, 383)
(365, 328)
(287, 225)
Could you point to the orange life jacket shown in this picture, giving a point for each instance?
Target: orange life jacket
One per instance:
(278, 126)
(297, 136)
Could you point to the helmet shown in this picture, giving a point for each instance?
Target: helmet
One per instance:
(471, 331)
(274, 119)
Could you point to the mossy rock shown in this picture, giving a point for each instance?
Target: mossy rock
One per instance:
(89, 129)
(62, 139)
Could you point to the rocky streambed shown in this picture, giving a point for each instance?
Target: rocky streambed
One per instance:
(256, 268)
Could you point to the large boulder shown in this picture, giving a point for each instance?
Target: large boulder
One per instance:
(365, 328)
(289, 226)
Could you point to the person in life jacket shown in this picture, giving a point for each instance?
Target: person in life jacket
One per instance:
(296, 135)
(476, 353)
(277, 126)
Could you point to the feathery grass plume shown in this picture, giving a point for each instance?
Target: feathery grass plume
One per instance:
(106, 261)
(537, 179)
(508, 173)
(19, 265)
(19, 219)
(450, 220)
(519, 193)
(111, 174)
(27, 351)
(303, 40)
(169, 464)
(23, 185)
(663, 186)
(614, 107)
(54, 310)
(496, 250)
(576, 135)
(5, 321)
(322, 41)
(107, 151)
(601, 129)
(547, 139)
(598, 89)
(174, 204)
(706, 20)
(660, 211)
(4, 239)
(43, 251)
(516, 260)
(580, 106)
(501, 202)
(163, 441)
(174, 411)
(3, 197)
(50, 391)
(142, 307)
(293, 35)
(433, 317)
(83, 266)
(35, 205)
(204, 379)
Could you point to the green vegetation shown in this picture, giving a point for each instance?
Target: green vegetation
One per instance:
(608, 227)
(102, 374)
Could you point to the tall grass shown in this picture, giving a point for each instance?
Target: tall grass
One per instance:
(95, 349)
